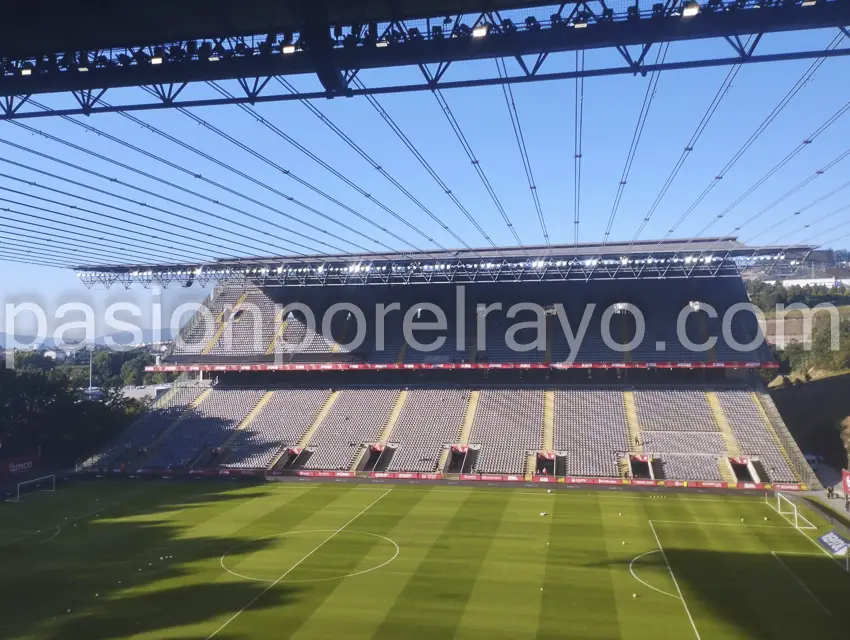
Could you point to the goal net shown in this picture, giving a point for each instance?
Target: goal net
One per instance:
(45, 483)
(788, 510)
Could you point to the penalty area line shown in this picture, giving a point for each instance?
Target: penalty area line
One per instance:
(295, 566)
(675, 582)
(800, 582)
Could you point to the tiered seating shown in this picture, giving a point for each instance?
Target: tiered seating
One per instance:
(590, 428)
(205, 326)
(249, 329)
(674, 410)
(507, 423)
(356, 417)
(429, 419)
(209, 425)
(683, 442)
(691, 468)
(281, 423)
(146, 429)
(752, 433)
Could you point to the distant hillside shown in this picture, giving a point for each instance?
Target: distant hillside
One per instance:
(811, 411)
(147, 337)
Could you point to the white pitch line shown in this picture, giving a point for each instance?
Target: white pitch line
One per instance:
(675, 582)
(295, 566)
(723, 524)
(800, 582)
(646, 584)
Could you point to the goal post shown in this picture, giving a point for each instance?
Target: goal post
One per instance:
(44, 483)
(785, 507)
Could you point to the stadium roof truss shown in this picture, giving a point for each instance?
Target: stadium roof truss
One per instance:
(708, 258)
(165, 48)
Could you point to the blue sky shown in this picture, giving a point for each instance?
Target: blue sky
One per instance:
(546, 110)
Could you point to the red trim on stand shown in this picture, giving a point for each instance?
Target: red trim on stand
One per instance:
(174, 368)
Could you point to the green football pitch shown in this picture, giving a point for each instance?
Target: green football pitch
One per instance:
(309, 560)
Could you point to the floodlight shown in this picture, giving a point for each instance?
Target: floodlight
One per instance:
(690, 9)
(287, 49)
(481, 30)
(809, 3)
(26, 70)
(531, 23)
(382, 43)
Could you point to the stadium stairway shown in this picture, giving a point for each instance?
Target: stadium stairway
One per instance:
(402, 353)
(320, 417)
(550, 339)
(249, 418)
(530, 464)
(222, 325)
(732, 447)
(187, 412)
(632, 422)
(388, 428)
(465, 428)
(548, 440)
(776, 427)
(624, 467)
(280, 331)
(725, 469)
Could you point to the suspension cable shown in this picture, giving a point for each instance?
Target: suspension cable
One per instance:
(802, 82)
(16, 237)
(104, 158)
(689, 147)
(14, 256)
(648, 97)
(372, 162)
(832, 214)
(523, 149)
(199, 176)
(800, 211)
(793, 190)
(169, 251)
(51, 250)
(798, 149)
(45, 230)
(283, 135)
(253, 247)
(578, 130)
(422, 161)
(262, 184)
(191, 250)
(475, 163)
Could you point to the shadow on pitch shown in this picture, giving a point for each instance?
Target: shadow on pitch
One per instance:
(143, 575)
(756, 595)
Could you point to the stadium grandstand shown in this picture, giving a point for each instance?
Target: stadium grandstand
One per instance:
(466, 349)
(540, 364)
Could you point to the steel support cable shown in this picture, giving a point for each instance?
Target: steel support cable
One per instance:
(327, 167)
(793, 190)
(191, 247)
(51, 250)
(160, 180)
(422, 161)
(689, 147)
(579, 134)
(800, 211)
(168, 253)
(771, 117)
(648, 97)
(507, 91)
(27, 214)
(7, 237)
(372, 162)
(216, 184)
(13, 256)
(252, 247)
(839, 226)
(260, 183)
(820, 130)
(123, 248)
(475, 163)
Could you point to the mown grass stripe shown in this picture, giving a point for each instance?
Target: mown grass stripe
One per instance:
(432, 603)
